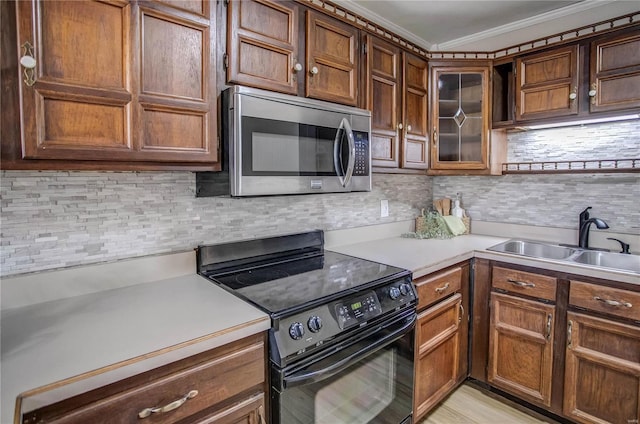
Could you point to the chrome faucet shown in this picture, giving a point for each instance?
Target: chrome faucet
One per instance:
(585, 224)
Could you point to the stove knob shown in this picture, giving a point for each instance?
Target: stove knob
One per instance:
(405, 289)
(314, 324)
(296, 331)
(394, 293)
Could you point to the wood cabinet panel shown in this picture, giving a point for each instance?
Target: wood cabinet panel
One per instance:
(124, 83)
(173, 58)
(384, 63)
(547, 84)
(526, 283)
(437, 358)
(615, 73)
(602, 377)
(65, 30)
(521, 347)
(438, 286)
(608, 300)
(64, 86)
(332, 59)
(415, 91)
(263, 45)
(231, 372)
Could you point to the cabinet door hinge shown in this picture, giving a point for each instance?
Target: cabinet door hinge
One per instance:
(225, 60)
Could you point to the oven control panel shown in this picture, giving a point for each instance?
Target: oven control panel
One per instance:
(302, 333)
(357, 310)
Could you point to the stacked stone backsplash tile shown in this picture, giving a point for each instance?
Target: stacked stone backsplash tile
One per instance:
(60, 219)
(554, 200)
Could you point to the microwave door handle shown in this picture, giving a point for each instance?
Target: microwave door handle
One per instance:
(337, 149)
(337, 153)
(352, 153)
(302, 378)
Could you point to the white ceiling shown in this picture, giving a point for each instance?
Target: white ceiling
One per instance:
(484, 25)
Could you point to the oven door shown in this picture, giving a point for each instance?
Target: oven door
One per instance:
(370, 380)
(283, 148)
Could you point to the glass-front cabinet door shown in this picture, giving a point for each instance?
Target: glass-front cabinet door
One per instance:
(460, 118)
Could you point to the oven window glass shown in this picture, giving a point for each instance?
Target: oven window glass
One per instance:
(361, 395)
(282, 148)
(375, 389)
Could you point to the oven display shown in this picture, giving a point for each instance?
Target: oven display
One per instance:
(355, 311)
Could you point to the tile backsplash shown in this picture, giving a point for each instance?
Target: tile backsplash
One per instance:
(556, 200)
(60, 219)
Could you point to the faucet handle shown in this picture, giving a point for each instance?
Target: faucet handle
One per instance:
(623, 245)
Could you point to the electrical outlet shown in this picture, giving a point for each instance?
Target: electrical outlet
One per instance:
(384, 208)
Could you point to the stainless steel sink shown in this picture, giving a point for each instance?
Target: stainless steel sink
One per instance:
(609, 260)
(534, 249)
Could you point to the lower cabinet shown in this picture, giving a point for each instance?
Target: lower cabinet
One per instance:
(569, 346)
(441, 336)
(602, 373)
(521, 347)
(223, 385)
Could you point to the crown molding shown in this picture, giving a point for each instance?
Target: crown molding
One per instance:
(521, 24)
(366, 13)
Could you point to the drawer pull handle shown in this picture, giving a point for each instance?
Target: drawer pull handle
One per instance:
(611, 302)
(521, 283)
(443, 288)
(168, 407)
(549, 317)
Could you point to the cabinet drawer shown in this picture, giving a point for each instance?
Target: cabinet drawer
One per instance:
(527, 283)
(180, 393)
(434, 287)
(619, 302)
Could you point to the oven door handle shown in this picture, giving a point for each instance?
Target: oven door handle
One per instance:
(302, 378)
(337, 150)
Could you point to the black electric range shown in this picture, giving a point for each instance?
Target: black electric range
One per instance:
(314, 297)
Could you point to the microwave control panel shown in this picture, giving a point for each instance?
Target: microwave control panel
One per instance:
(362, 153)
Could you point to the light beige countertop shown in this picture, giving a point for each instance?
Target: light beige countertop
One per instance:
(424, 256)
(59, 348)
(69, 331)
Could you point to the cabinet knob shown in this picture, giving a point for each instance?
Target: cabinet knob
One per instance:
(297, 67)
(400, 126)
(28, 62)
(408, 127)
(314, 71)
(592, 93)
(574, 94)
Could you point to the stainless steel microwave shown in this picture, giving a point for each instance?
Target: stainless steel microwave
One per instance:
(277, 144)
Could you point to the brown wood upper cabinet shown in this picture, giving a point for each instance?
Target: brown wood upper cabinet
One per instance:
(397, 84)
(270, 46)
(592, 78)
(118, 81)
(547, 84)
(461, 141)
(614, 82)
